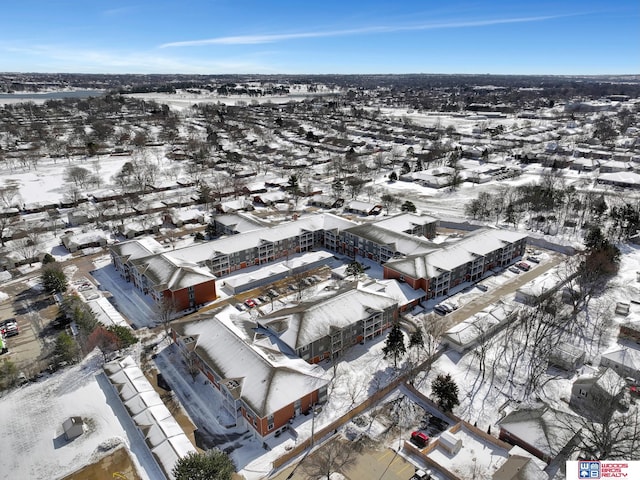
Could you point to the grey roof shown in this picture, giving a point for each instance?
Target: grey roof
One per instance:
(396, 241)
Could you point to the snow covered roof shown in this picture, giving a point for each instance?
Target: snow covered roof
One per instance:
(106, 313)
(133, 249)
(405, 222)
(432, 264)
(199, 253)
(164, 436)
(78, 240)
(627, 178)
(401, 292)
(360, 206)
(168, 273)
(482, 323)
(608, 380)
(543, 428)
(627, 357)
(240, 223)
(269, 379)
(396, 241)
(313, 320)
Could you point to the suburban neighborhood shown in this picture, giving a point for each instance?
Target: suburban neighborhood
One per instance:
(335, 277)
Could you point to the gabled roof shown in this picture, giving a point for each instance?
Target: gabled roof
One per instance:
(627, 357)
(396, 241)
(543, 428)
(168, 273)
(199, 253)
(608, 381)
(433, 264)
(268, 379)
(310, 321)
(134, 249)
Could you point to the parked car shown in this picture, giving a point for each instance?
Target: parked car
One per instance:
(482, 287)
(439, 309)
(10, 328)
(514, 269)
(533, 259)
(240, 307)
(420, 439)
(273, 294)
(250, 302)
(523, 266)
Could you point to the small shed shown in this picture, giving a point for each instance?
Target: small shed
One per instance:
(73, 427)
(450, 442)
(567, 356)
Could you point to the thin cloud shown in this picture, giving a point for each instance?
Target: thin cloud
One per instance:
(259, 39)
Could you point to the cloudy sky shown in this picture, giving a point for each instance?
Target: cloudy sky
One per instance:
(329, 36)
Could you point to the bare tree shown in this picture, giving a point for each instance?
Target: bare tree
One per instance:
(9, 193)
(165, 310)
(28, 246)
(334, 456)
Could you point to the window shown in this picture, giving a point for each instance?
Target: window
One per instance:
(270, 422)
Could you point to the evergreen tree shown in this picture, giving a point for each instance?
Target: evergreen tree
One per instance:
(408, 206)
(53, 279)
(416, 340)
(125, 336)
(446, 392)
(338, 188)
(354, 269)
(394, 345)
(405, 168)
(213, 464)
(210, 229)
(393, 176)
(66, 349)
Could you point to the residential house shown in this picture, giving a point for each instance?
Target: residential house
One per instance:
(325, 201)
(624, 361)
(594, 396)
(326, 327)
(363, 208)
(543, 432)
(261, 384)
(77, 241)
(630, 331)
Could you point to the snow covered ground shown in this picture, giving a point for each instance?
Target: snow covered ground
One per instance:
(33, 444)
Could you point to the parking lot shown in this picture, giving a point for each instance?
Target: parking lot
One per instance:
(33, 311)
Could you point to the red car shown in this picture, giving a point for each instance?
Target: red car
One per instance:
(420, 439)
(250, 303)
(523, 266)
